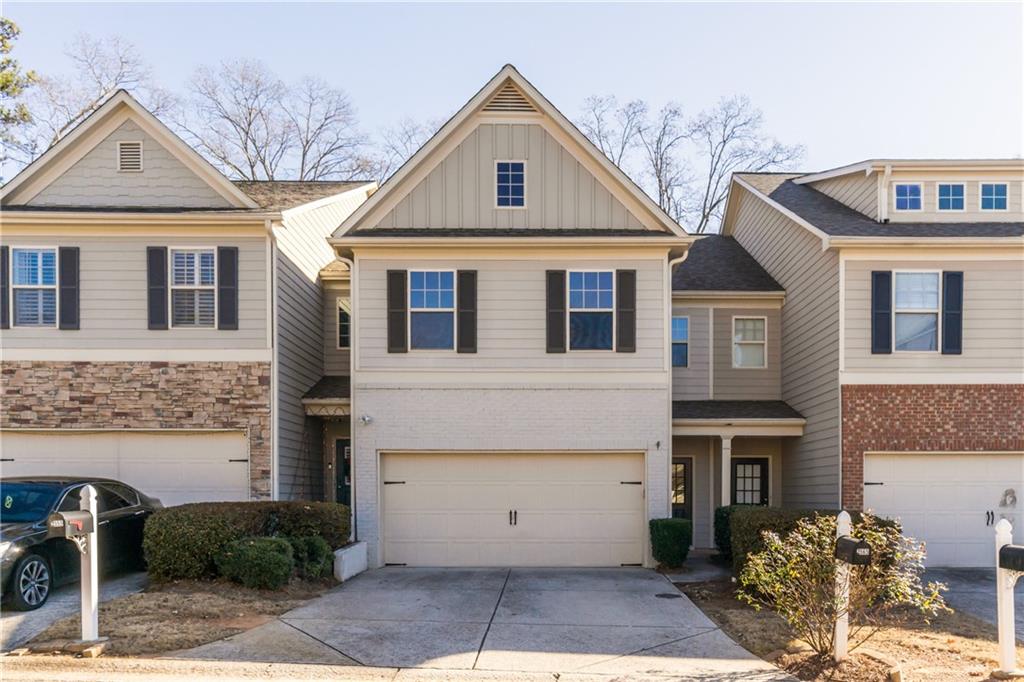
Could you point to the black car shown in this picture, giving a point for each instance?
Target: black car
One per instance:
(31, 565)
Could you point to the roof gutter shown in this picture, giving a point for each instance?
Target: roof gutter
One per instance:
(122, 217)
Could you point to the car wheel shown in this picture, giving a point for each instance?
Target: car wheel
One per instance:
(30, 583)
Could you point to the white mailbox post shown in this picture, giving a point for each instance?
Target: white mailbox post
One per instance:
(841, 636)
(1009, 567)
(80, 527)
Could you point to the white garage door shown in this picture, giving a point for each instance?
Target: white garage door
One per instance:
(497, 509)
(950, 501)
(176, 467)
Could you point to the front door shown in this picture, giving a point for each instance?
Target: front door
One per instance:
(682, 487)
(750, 480)
(343, 471)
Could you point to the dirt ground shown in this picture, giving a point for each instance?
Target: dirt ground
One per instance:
(184, 614)
(952, 647)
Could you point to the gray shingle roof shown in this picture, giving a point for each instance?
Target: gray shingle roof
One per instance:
(718, 263)
(330, 388)
(501, 232)
(279, 195)
(733, 409)
(834, 218)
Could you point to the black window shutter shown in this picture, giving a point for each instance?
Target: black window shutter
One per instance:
(881, 312)
(556, 311)
(466, 311)
(5, 292)
(397, 336)
(68, 287)
(952, 313)
(227, 287)
(156, 274)
(625, 311)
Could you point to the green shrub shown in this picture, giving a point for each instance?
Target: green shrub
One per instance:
(313, 556)
(257, 563)
(723, 534)
(670, 541)
(181, 542)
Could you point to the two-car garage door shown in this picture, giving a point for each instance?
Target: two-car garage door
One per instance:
(950, 501)
(513, 509)
(173, 466)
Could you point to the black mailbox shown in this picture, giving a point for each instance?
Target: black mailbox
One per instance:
(852, 551)
(1012, 557)
(69, 525)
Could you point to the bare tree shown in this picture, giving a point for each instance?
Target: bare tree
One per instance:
(662, 140)
(256, 127)
(729, 139)
(399, 142)
(612, 128)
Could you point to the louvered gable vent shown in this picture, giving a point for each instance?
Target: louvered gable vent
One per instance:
(129, 157)
(509, 98)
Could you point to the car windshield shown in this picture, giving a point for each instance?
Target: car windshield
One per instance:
(26, 502)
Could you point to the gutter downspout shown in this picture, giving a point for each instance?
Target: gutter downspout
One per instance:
(883, 195)
(274, 382)
(672, 263)
(353, 343)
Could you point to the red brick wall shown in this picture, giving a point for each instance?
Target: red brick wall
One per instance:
(926, 418)
(144, 395)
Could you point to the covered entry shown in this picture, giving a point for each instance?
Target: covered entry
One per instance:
(513, 509)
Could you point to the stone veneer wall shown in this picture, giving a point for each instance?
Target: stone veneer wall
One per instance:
(926, 418)
(145, 395)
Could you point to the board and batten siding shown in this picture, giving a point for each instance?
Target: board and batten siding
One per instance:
(460, 191)
(856, 190)
(511, 304)
(336, 360)
(692, 382)
(302, 251)
(810, 344)
(993, 319)
(95, 181)
(746, 383)
(113, 297)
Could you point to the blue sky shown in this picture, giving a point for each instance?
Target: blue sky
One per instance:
(849, 81)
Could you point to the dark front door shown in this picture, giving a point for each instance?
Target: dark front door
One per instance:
(750, 480)
(343, 471)
(682, 487)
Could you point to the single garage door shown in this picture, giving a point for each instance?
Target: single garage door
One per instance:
(951, 501)
(502, 509)
(174, 466)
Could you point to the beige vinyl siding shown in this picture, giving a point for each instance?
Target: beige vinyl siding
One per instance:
(511, 303)
(746, 383)
(113, 298)
(95, 181)
(856, 190)
(972, 212)
(302, 251)
(692, 382)
(993, 319)
(460, 191)
(810, 344)
(336, 360)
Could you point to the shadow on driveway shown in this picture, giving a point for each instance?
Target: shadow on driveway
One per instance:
(973, 591)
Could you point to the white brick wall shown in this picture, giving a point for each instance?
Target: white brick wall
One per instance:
(507, 418)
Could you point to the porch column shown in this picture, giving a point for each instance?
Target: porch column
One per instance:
(726, 471)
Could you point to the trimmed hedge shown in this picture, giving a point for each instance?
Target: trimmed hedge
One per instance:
(670, 541)
(257, 563)
(313, 556)
(182, 542)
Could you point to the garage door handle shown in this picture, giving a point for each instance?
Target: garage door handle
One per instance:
(631, 482)
(873, 483)
(515, 518)
(394, 482)
(6, 459)
(239, 460)
(510, 517)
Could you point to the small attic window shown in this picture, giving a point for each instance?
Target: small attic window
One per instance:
(129, 157)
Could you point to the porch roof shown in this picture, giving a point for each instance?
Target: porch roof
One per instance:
(728, 418)
(329, 397)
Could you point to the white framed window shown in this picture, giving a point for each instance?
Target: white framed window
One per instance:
(916, 305)
(344, 324)
(591, 308)
(129, 156)
(907, 196)
(681, 341)
(432, 309)
(193, 287)
(34, 286)
(749, 342)
(994, 196)
(510, 184)
(949, 196)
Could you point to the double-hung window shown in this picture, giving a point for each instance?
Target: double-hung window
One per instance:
(908, 197)
(591, 310)
(193, 287)
(680, 341)
(916, 311)
(344, 324)
(950, 196)
(432, 309)
(749, 345)
(993, 196)
(511, 184)
(34, 287)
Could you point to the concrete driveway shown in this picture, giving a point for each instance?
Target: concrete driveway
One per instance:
(620, 622)
(973, 591)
